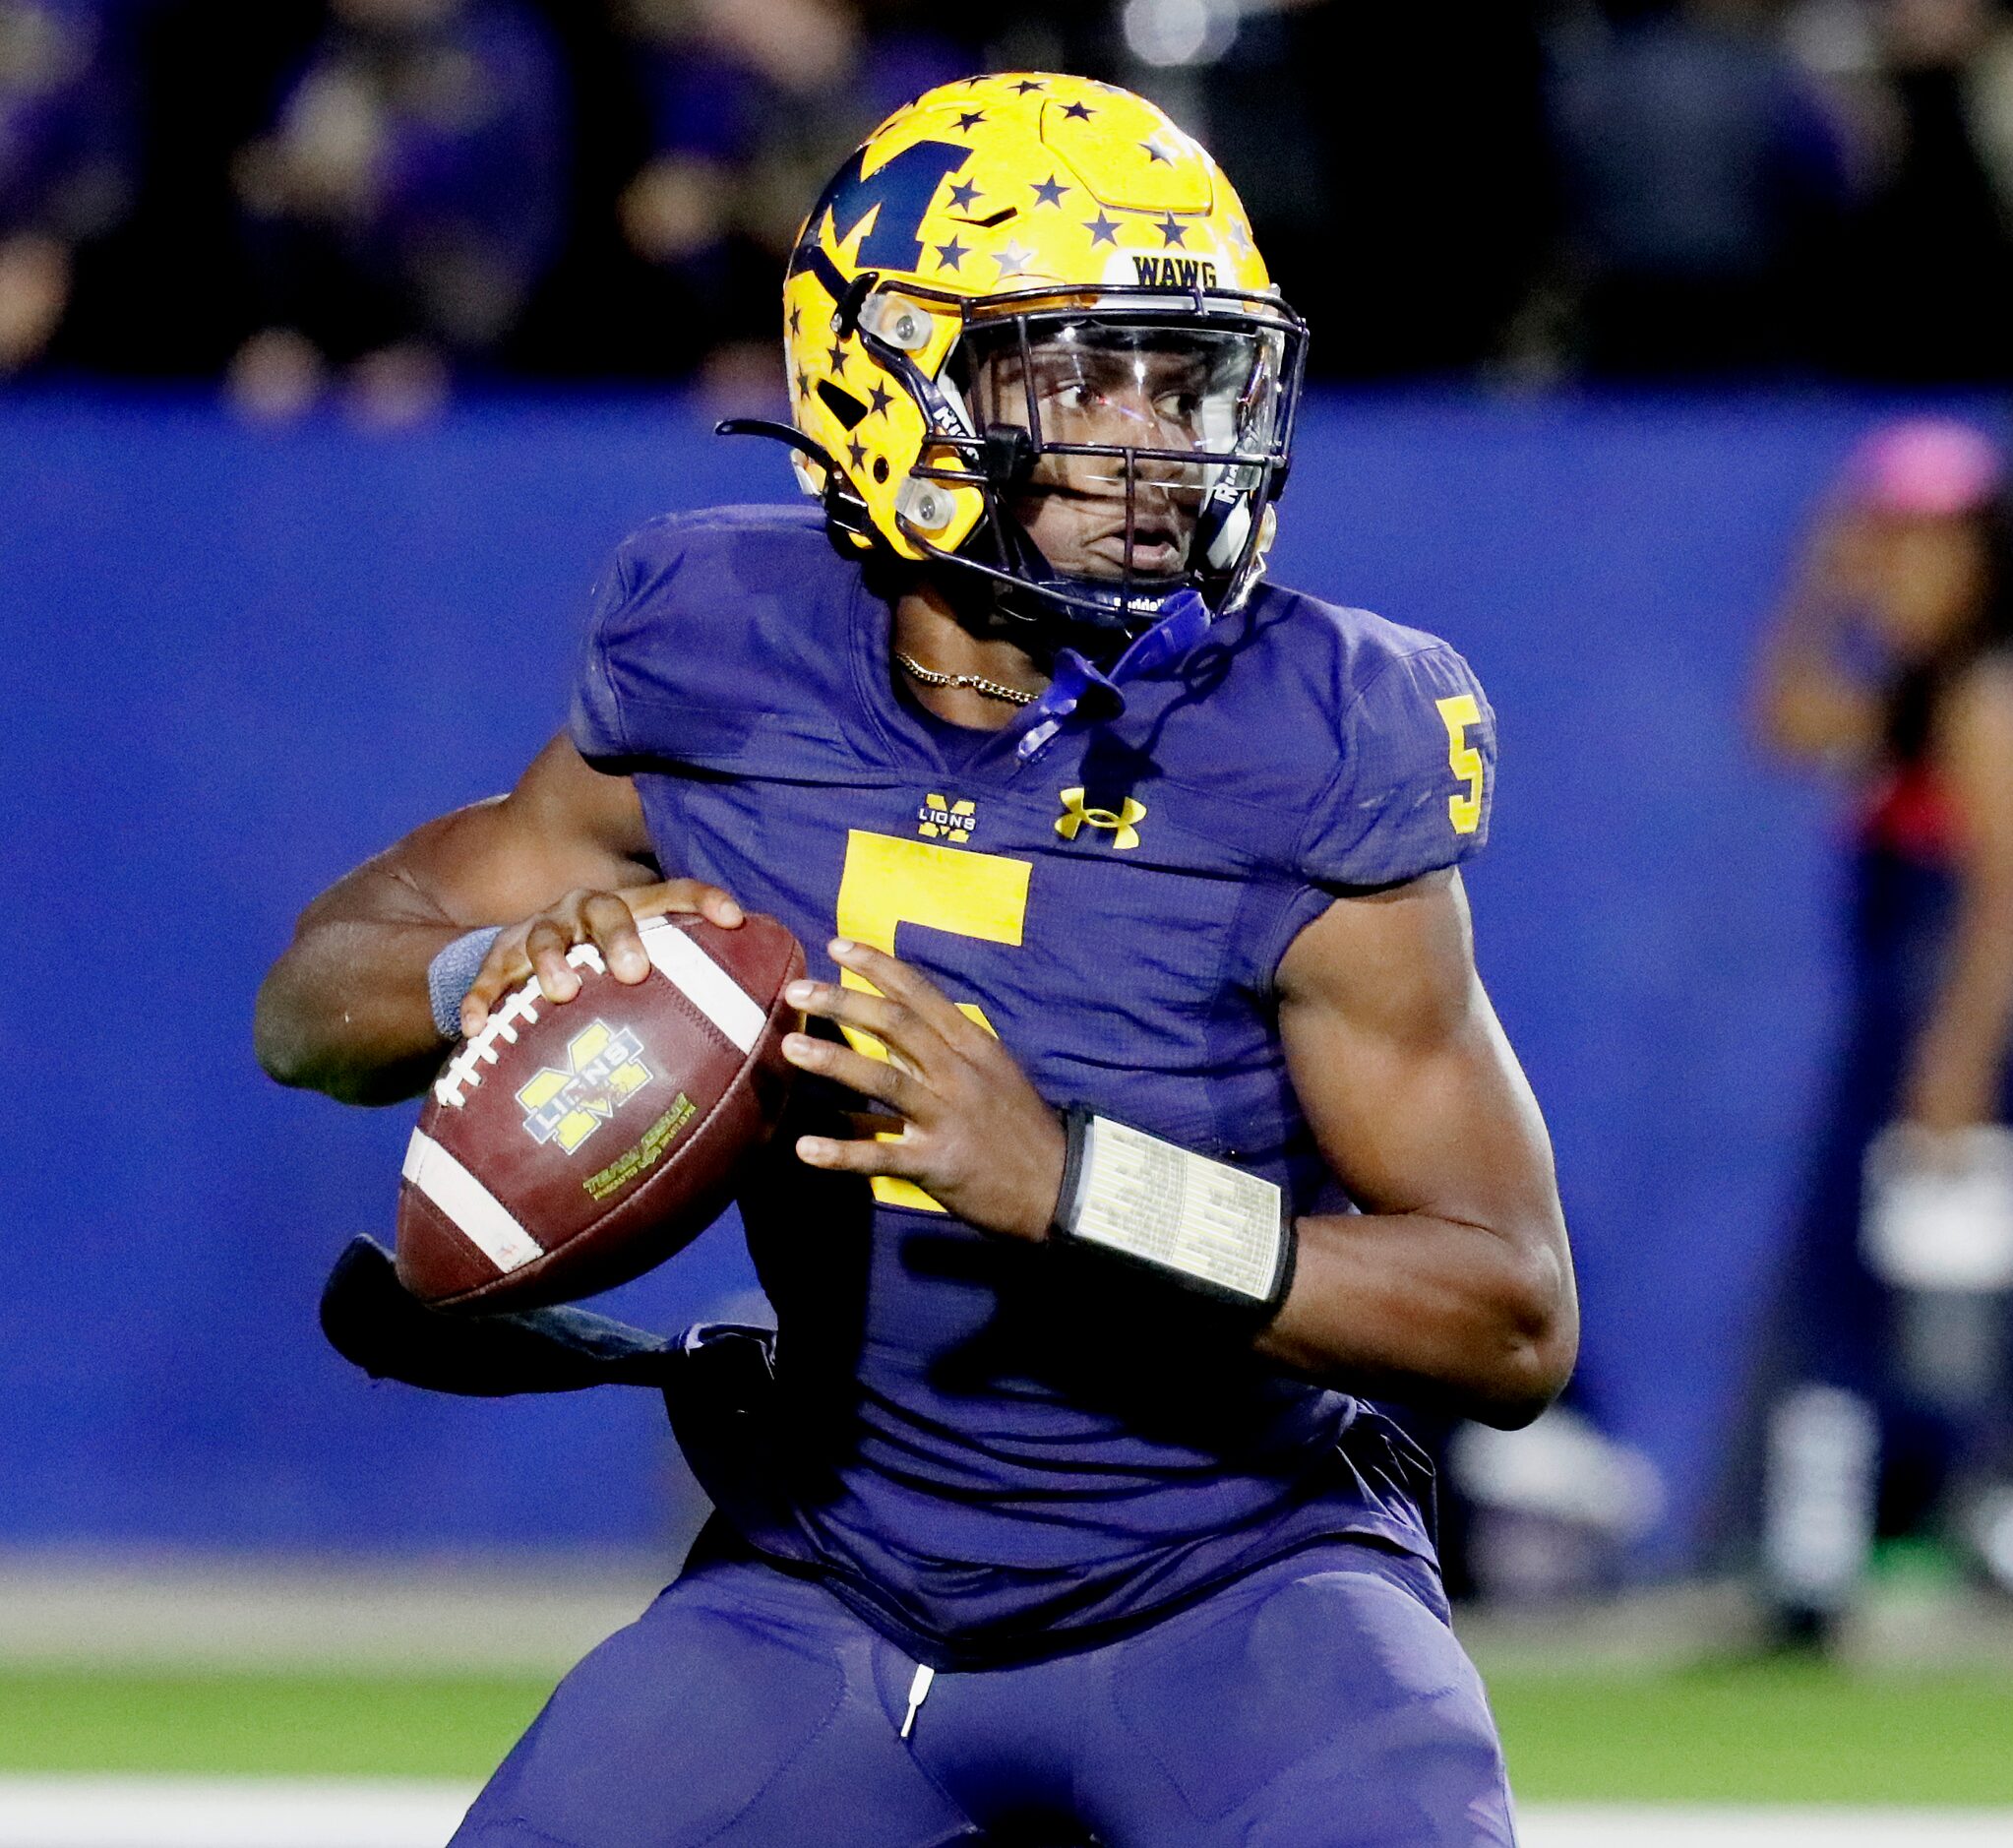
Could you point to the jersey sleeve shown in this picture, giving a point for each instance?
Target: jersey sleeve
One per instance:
(661, 676)
(597, 721)
(715, 640)
(1411, 793)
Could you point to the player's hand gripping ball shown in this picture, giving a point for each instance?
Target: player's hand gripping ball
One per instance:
(966, 1126)
(569, 1146)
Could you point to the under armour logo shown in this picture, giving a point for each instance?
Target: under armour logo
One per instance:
(1118, 822)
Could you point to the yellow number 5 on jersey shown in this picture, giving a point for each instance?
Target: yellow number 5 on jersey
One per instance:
(1459, 712)
(889, 882)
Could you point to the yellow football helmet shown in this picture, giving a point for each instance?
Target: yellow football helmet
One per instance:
(1029, 280)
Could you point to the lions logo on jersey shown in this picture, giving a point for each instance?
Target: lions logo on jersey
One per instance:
(954, 821)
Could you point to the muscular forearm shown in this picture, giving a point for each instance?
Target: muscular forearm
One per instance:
(1455, 1283)
(563, 860)
(345, 1010)
(1431, 1310)
(1959, 1058)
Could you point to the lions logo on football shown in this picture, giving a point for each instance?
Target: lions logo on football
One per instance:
(606, 1070)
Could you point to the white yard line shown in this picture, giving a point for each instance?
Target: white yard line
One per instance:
(1631, 1826)
(218, 1812)
(341, 1812)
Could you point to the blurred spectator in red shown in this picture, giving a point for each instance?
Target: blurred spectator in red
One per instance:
(1892, 659)
(66, 156)
(1928, 85)
(406, 201)
(751, 103)
(1703, 176)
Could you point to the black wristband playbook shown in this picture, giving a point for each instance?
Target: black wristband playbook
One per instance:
(1202, 1224)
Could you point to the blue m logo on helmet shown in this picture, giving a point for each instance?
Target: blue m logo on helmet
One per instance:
(898, 195)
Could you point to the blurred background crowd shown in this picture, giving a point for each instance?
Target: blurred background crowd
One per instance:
(285, 192)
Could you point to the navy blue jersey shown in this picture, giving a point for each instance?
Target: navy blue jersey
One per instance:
(993, 1453)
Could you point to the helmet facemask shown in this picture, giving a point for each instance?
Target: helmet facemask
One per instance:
(1127, 446)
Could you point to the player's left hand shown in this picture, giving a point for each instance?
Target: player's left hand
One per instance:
(975, 1135)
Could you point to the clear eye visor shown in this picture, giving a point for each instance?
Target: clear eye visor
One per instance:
(1163, 419)
(1118, 403)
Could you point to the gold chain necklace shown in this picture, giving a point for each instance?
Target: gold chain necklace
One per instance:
(978, 682)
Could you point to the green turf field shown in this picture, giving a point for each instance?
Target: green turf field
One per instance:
(283, 1724)
(1774, 1732)
(1751, 1733)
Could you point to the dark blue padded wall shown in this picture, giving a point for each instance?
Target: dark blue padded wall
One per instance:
(239, 662)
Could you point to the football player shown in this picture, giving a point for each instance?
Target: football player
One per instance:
(1139, 946)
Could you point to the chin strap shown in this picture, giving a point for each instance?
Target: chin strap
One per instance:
(1073, 601)
(1082, 693)
(846, 518)
(1079, 691)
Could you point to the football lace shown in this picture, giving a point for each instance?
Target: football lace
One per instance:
(515, 1009)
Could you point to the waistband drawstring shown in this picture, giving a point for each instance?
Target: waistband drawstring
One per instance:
(919, 1689)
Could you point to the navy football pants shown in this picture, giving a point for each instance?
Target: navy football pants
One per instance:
(1321, 1702)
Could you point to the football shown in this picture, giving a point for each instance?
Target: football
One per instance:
(569, 1147)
